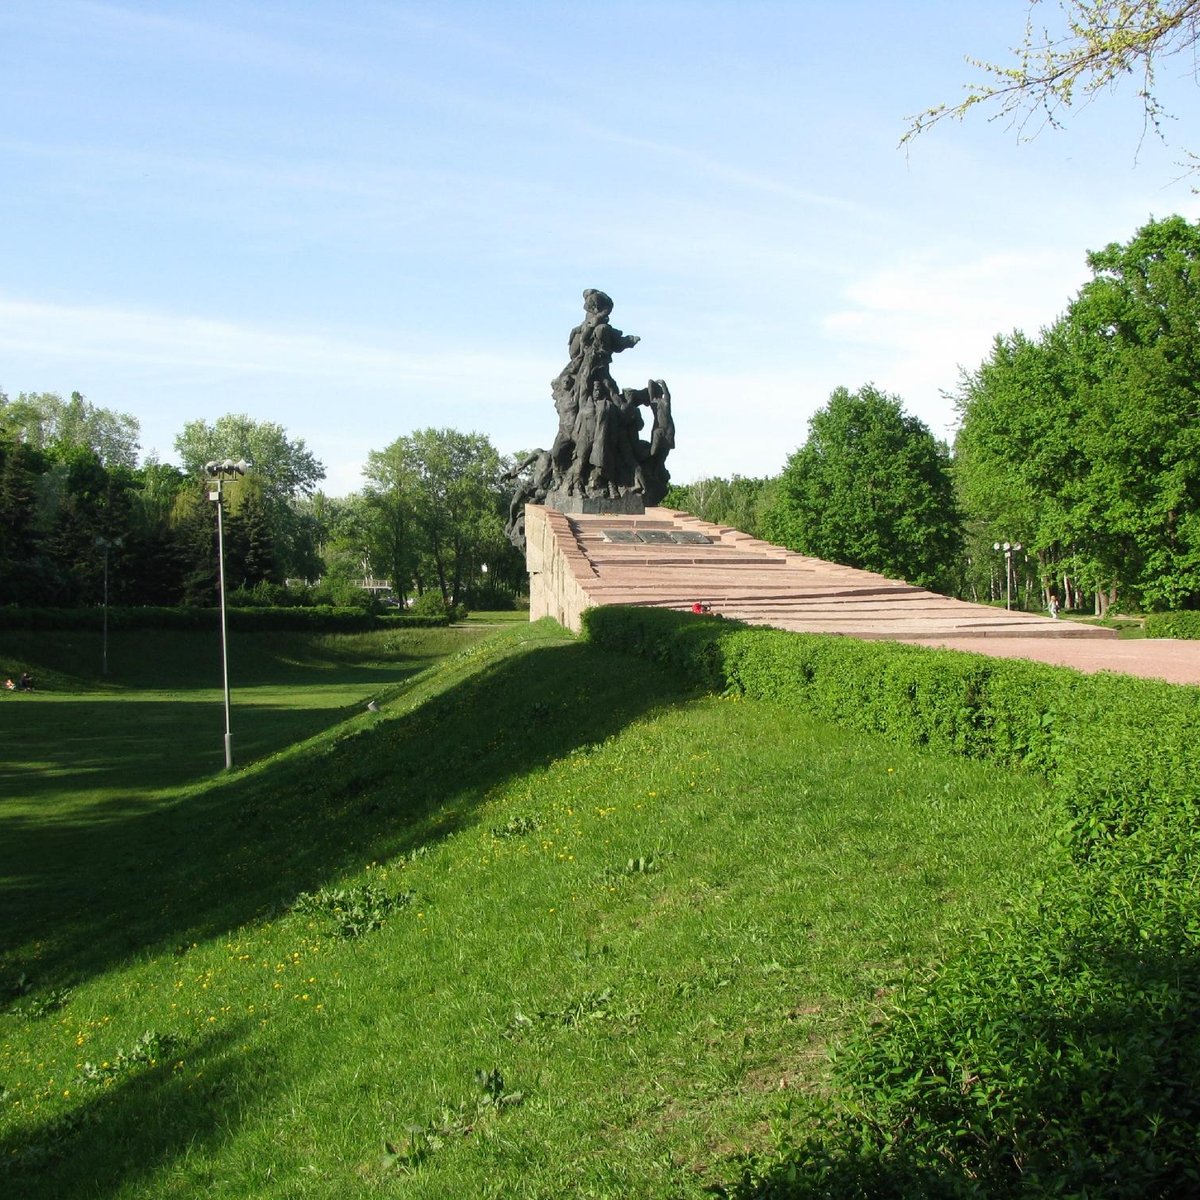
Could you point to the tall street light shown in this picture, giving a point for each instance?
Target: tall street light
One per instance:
(1009, 548)
(221, 473)
(106, 544)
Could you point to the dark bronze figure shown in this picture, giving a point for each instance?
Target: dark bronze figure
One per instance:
(598, 461)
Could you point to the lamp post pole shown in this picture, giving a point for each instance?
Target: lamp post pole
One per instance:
(1008, 548)
(220, 473)
(106, 544)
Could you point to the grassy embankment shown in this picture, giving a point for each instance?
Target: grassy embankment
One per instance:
(545, 925)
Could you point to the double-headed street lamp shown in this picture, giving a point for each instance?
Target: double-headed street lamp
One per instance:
(221, 473)
(106, 544)
(1009, 548)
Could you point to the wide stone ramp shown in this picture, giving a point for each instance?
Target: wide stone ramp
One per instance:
(670, 559)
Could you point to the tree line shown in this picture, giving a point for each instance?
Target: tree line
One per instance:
(76, 507)
(1080, 445)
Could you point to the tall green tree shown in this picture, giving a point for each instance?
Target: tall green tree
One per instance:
(1019, 469)
(1085, 442)
(249, 545)
(870, 488)
(390, 533)
(284, 467)
(460, 500)
(1139, 320)
(434, 505)
(45, 421)
(21, 565)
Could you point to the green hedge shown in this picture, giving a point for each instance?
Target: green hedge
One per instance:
(321, 618)
(1114, 746)
(1185, 625)
(1058, 1053)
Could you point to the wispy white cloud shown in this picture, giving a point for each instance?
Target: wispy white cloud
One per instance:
(203, 37)
(916, 321)
(141, 337)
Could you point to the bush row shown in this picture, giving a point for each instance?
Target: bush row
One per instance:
(1057, 1054)
(322, 618)
(1115, 747)
(1184, 625)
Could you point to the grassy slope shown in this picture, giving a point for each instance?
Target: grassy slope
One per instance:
(626, 924)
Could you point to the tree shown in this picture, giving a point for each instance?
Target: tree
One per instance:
(390, 534)
(1139, 319)
(459, 507)
(249, 547)
(284, 467)
(21, 469)
(737, 502)
(1085, 443)
(434, 507)
(870, 488)
(1105, 42)
(47, 422)
(1019, 471)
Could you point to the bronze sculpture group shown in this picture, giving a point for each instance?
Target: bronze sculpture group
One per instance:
(599, 461)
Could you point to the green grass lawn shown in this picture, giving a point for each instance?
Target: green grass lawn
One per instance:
(547, 924)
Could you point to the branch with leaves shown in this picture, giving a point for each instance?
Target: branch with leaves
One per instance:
(1104, 43)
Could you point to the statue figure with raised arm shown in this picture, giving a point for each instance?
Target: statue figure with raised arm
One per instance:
(597, 461)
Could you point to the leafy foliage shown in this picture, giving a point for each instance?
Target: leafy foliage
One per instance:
(1082, 443)
(147, 1051)
(433, 512)
(1104, 43)
(1056, 1055)
(351, 911)
(737, 502)
(870, 488)
(45, 421)
(257, 617)
(1173, 625)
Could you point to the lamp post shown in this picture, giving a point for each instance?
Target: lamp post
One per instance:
(106, 544)
(221, 473)
(1009, 548)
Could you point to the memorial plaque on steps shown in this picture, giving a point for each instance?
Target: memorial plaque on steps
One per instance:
(655, 537)
(621, 537)
(690, 537)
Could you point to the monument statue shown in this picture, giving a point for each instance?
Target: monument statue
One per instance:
(599, 462)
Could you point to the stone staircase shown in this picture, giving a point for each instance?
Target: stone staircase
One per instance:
(669, 559)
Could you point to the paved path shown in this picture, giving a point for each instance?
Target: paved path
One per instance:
(669, 559)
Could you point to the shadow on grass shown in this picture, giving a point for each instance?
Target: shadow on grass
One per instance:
(173, 660)
(121, 878)
(136, 1127)
(1074, 1089)
(137, 746)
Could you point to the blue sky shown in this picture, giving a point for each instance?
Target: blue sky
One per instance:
(361, 219)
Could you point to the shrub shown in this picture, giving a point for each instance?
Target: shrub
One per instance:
(430, 604)
(1057, 1054)
(490, 597)
(1114, 747)
(1183, 625)
(260, 619)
